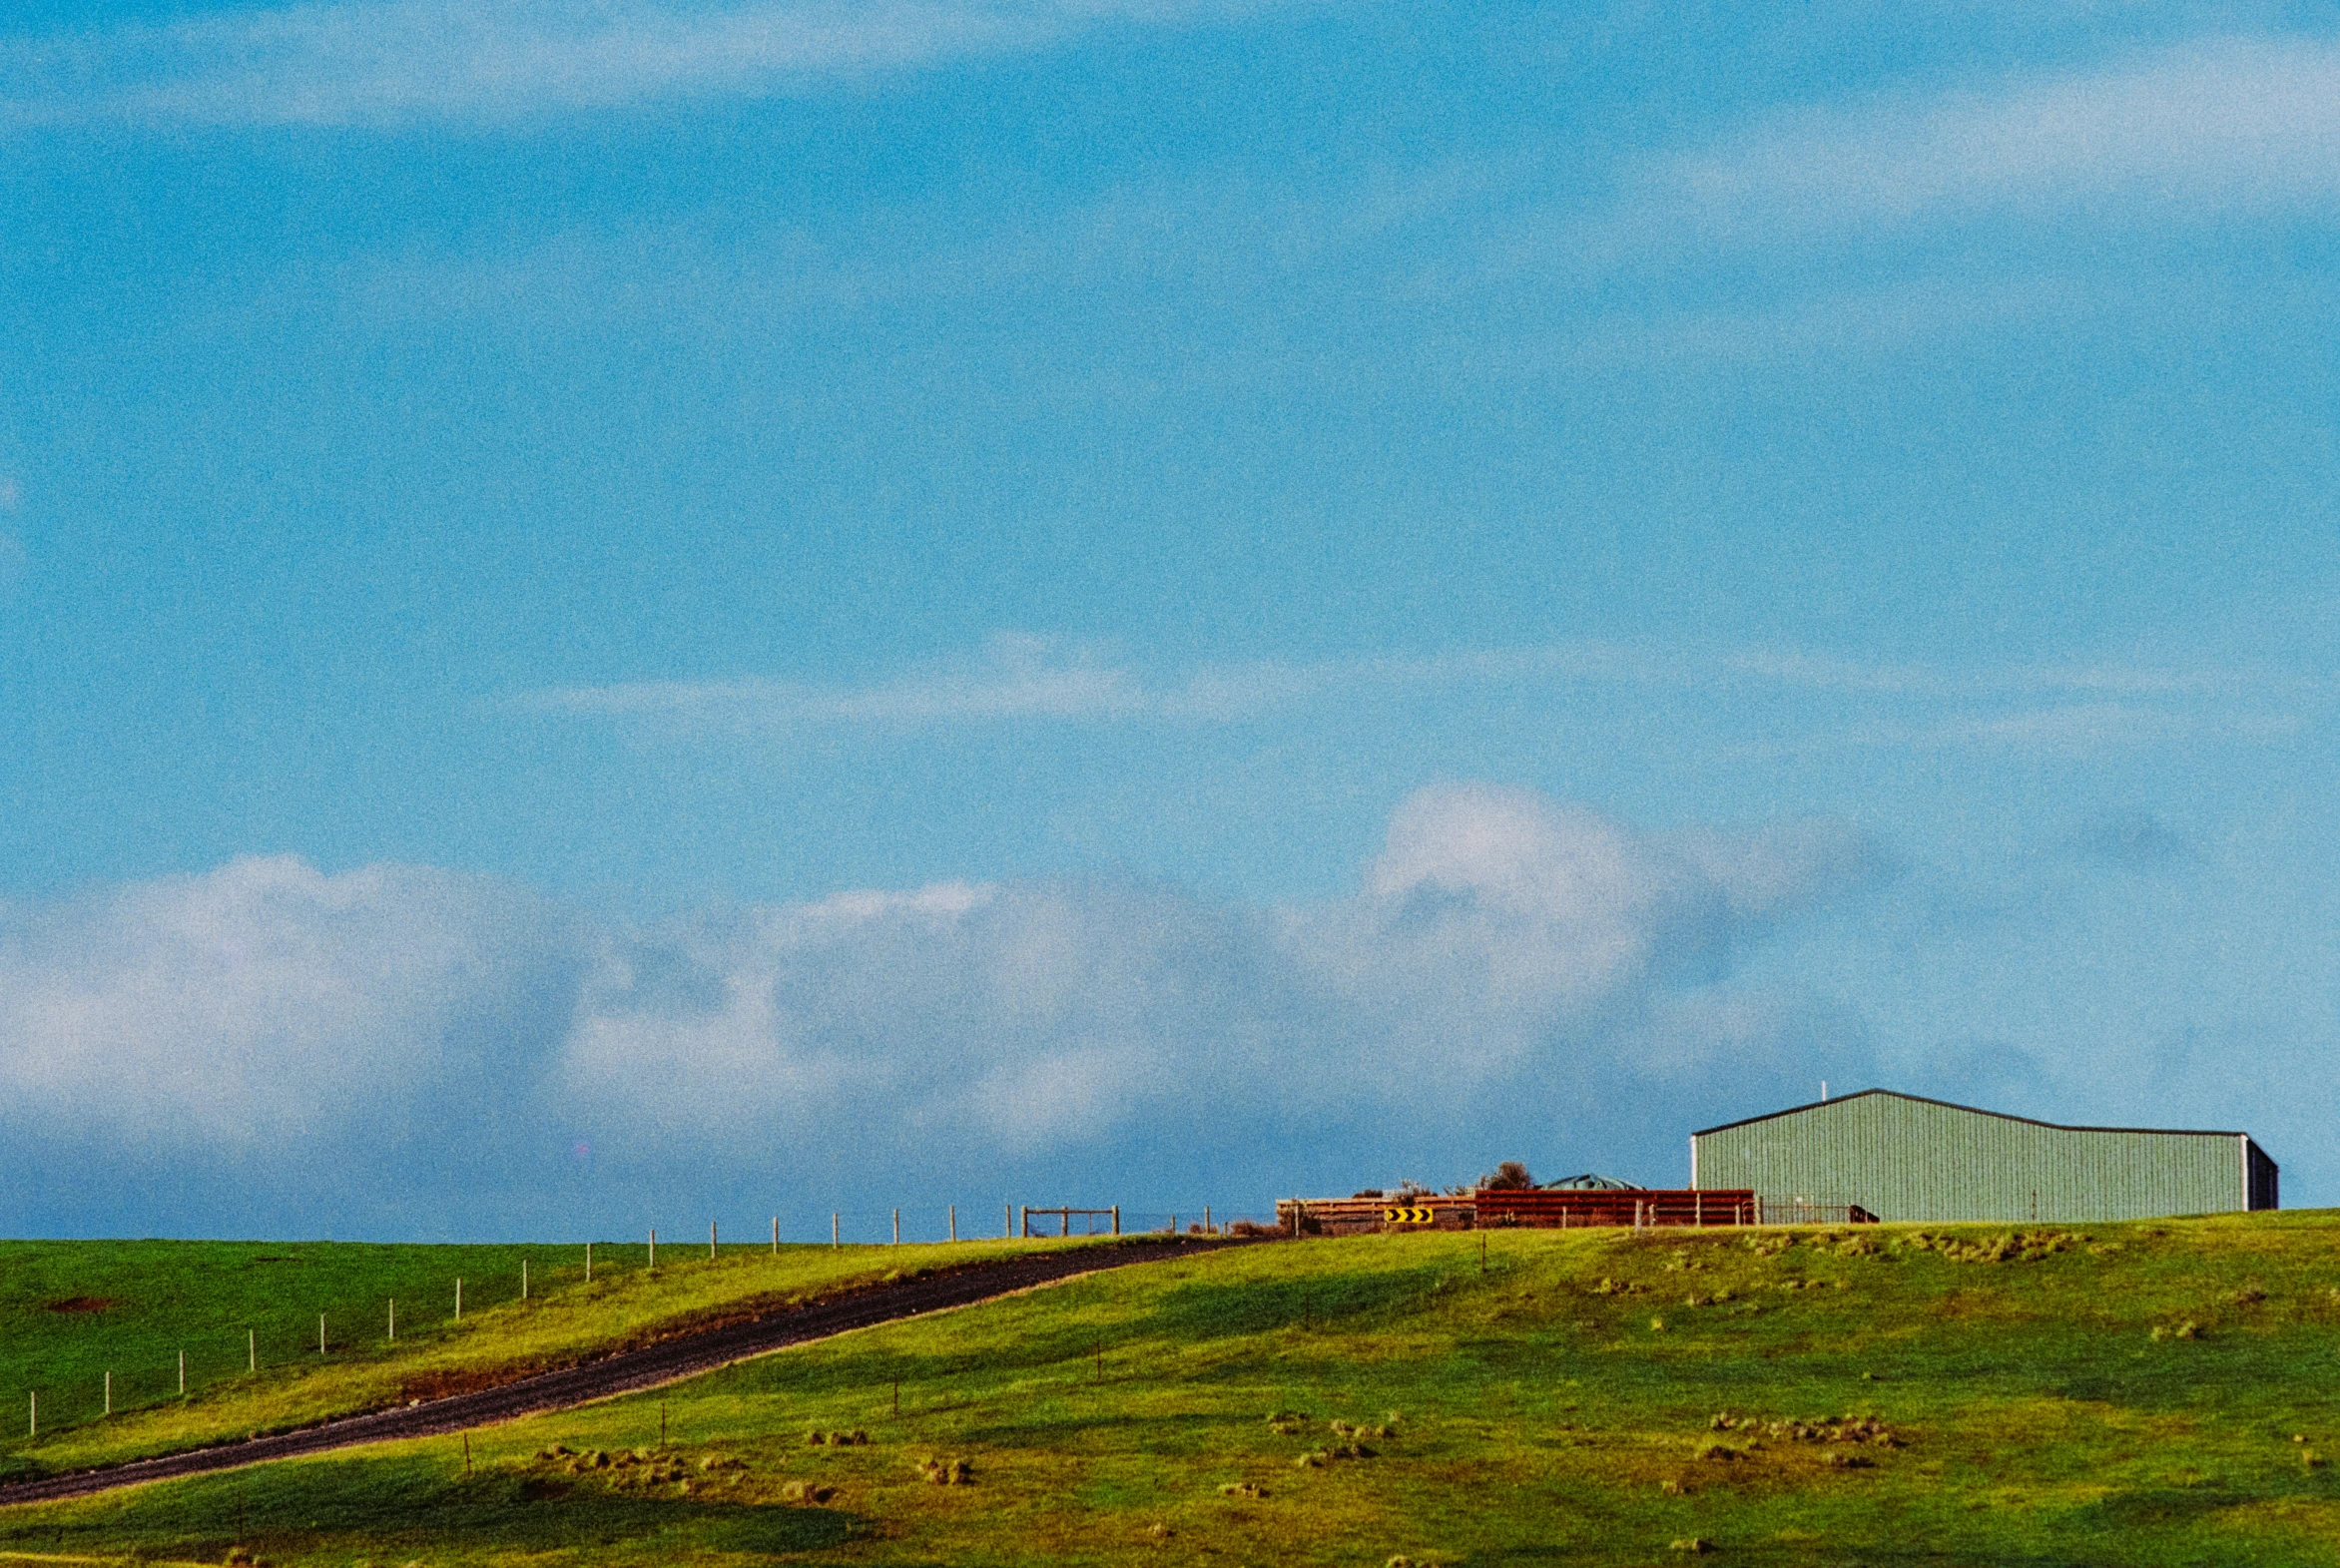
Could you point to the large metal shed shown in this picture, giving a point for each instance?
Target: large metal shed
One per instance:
(1906, 1158)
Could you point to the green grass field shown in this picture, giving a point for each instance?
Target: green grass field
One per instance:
(2127, 1395)
(71, 1312)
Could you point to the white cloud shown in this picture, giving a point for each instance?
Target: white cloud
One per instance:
(2068, 728)
(263, 1006)
(403, 61)
(425, 1028)
(2209, 127)
(1017, 678)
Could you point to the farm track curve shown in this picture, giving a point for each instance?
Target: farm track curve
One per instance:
(624, 1372)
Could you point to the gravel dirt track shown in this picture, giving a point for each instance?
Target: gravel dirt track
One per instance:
(627, 1371)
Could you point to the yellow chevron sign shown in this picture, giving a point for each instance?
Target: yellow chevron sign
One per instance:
(1408, 1216)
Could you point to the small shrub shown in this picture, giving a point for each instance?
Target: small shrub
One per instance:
(937, 1471)
(1698, 1544)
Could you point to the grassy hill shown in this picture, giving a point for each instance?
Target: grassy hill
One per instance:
(246, 1316)
(2108, 1394)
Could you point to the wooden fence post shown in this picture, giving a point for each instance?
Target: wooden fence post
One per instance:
(182, 1374)
(458, 1297)
(588, 1262)
(954, 1222)
(1207, 1231)
(776, 1236)
(394, 1318)
(897, 1227)
(834, 1242)
(711, 1240)
(1027, 1222)
(320, 1333)
(524, 1279)
(1117, 1221)
(252, 1350)
(1007, 1221)
(109, 1393)
(654, 1248)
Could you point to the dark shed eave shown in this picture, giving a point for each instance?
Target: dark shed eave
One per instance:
(1975, 1110)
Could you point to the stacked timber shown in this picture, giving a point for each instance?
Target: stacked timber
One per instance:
(1569, 1207)
(1556, 1209)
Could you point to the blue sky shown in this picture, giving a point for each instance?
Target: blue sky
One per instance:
(618, 612)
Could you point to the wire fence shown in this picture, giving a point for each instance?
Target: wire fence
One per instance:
(100, 1370)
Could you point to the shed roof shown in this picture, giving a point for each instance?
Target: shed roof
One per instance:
(1972, 1110)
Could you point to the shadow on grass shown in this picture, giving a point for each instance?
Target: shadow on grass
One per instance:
(377, 1504)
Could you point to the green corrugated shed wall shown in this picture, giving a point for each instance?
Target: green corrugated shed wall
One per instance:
(1905, 1158)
